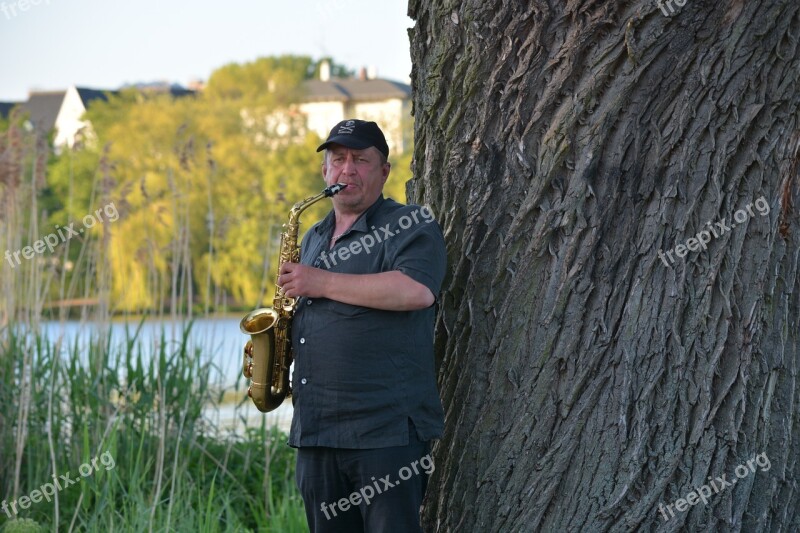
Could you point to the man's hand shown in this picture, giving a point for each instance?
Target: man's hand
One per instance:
(389, 291)
(301, 280)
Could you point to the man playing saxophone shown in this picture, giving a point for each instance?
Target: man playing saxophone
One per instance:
(364, 390)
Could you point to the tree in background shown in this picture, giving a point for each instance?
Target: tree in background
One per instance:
(588, 384)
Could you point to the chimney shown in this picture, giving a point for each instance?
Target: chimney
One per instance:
(372, 72)
(325, 71)
(362, 74)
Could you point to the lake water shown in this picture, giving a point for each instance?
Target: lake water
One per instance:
(219, 341)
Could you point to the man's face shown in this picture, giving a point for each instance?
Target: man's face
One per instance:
(363, 171)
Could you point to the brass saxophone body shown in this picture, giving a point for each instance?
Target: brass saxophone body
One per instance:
(268, 353)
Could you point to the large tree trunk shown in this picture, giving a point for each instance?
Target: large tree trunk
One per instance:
(585, 380)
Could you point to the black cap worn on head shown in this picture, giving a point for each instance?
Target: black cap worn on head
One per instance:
(358, 134)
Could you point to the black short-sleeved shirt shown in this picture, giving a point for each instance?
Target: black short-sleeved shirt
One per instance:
(361, 373)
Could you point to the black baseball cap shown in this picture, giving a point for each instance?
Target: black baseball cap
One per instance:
(358, 134)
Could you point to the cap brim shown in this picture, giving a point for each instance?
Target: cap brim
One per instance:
(344, 140)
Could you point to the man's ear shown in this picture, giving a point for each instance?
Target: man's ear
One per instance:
(387, 168)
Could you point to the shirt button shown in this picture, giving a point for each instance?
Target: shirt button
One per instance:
(309, 302)
(304, 381)
(302, 340)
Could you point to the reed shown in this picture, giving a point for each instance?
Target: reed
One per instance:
(171, 470)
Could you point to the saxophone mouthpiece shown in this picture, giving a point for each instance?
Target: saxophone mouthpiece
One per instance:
(334, 189)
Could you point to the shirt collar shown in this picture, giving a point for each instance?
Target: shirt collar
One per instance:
(361, 223)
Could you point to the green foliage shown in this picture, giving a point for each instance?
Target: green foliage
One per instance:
(395, 186)
(161, 466)
(269, 81)
(23, 525)
(71, 180)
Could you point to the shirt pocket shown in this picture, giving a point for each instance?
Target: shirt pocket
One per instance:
(343, 310)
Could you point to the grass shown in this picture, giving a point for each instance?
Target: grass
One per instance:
(141, 413)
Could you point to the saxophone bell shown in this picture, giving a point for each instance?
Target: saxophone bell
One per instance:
(259, 360)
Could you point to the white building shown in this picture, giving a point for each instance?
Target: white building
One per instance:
(61, 112)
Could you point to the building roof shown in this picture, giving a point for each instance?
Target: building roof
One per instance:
(43, 108)
(345, 89)
(87, 95)
(6, 107)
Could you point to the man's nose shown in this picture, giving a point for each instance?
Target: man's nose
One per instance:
(349, 165)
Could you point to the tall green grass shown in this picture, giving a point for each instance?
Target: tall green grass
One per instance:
(64, 405)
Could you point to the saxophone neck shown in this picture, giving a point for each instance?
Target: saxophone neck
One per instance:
(302, 205)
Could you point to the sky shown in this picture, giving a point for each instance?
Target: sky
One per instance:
(103, 44)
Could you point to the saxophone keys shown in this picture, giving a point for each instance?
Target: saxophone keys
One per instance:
(247, 361)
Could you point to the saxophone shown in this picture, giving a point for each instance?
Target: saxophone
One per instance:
(268, 353)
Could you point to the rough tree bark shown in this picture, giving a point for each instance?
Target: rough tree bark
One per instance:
(585, 381)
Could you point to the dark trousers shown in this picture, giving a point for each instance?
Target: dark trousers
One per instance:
(371, 491)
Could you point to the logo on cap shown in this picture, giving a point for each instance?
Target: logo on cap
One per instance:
(347, 127)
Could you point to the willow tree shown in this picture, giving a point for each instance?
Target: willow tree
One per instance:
(601, 358)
